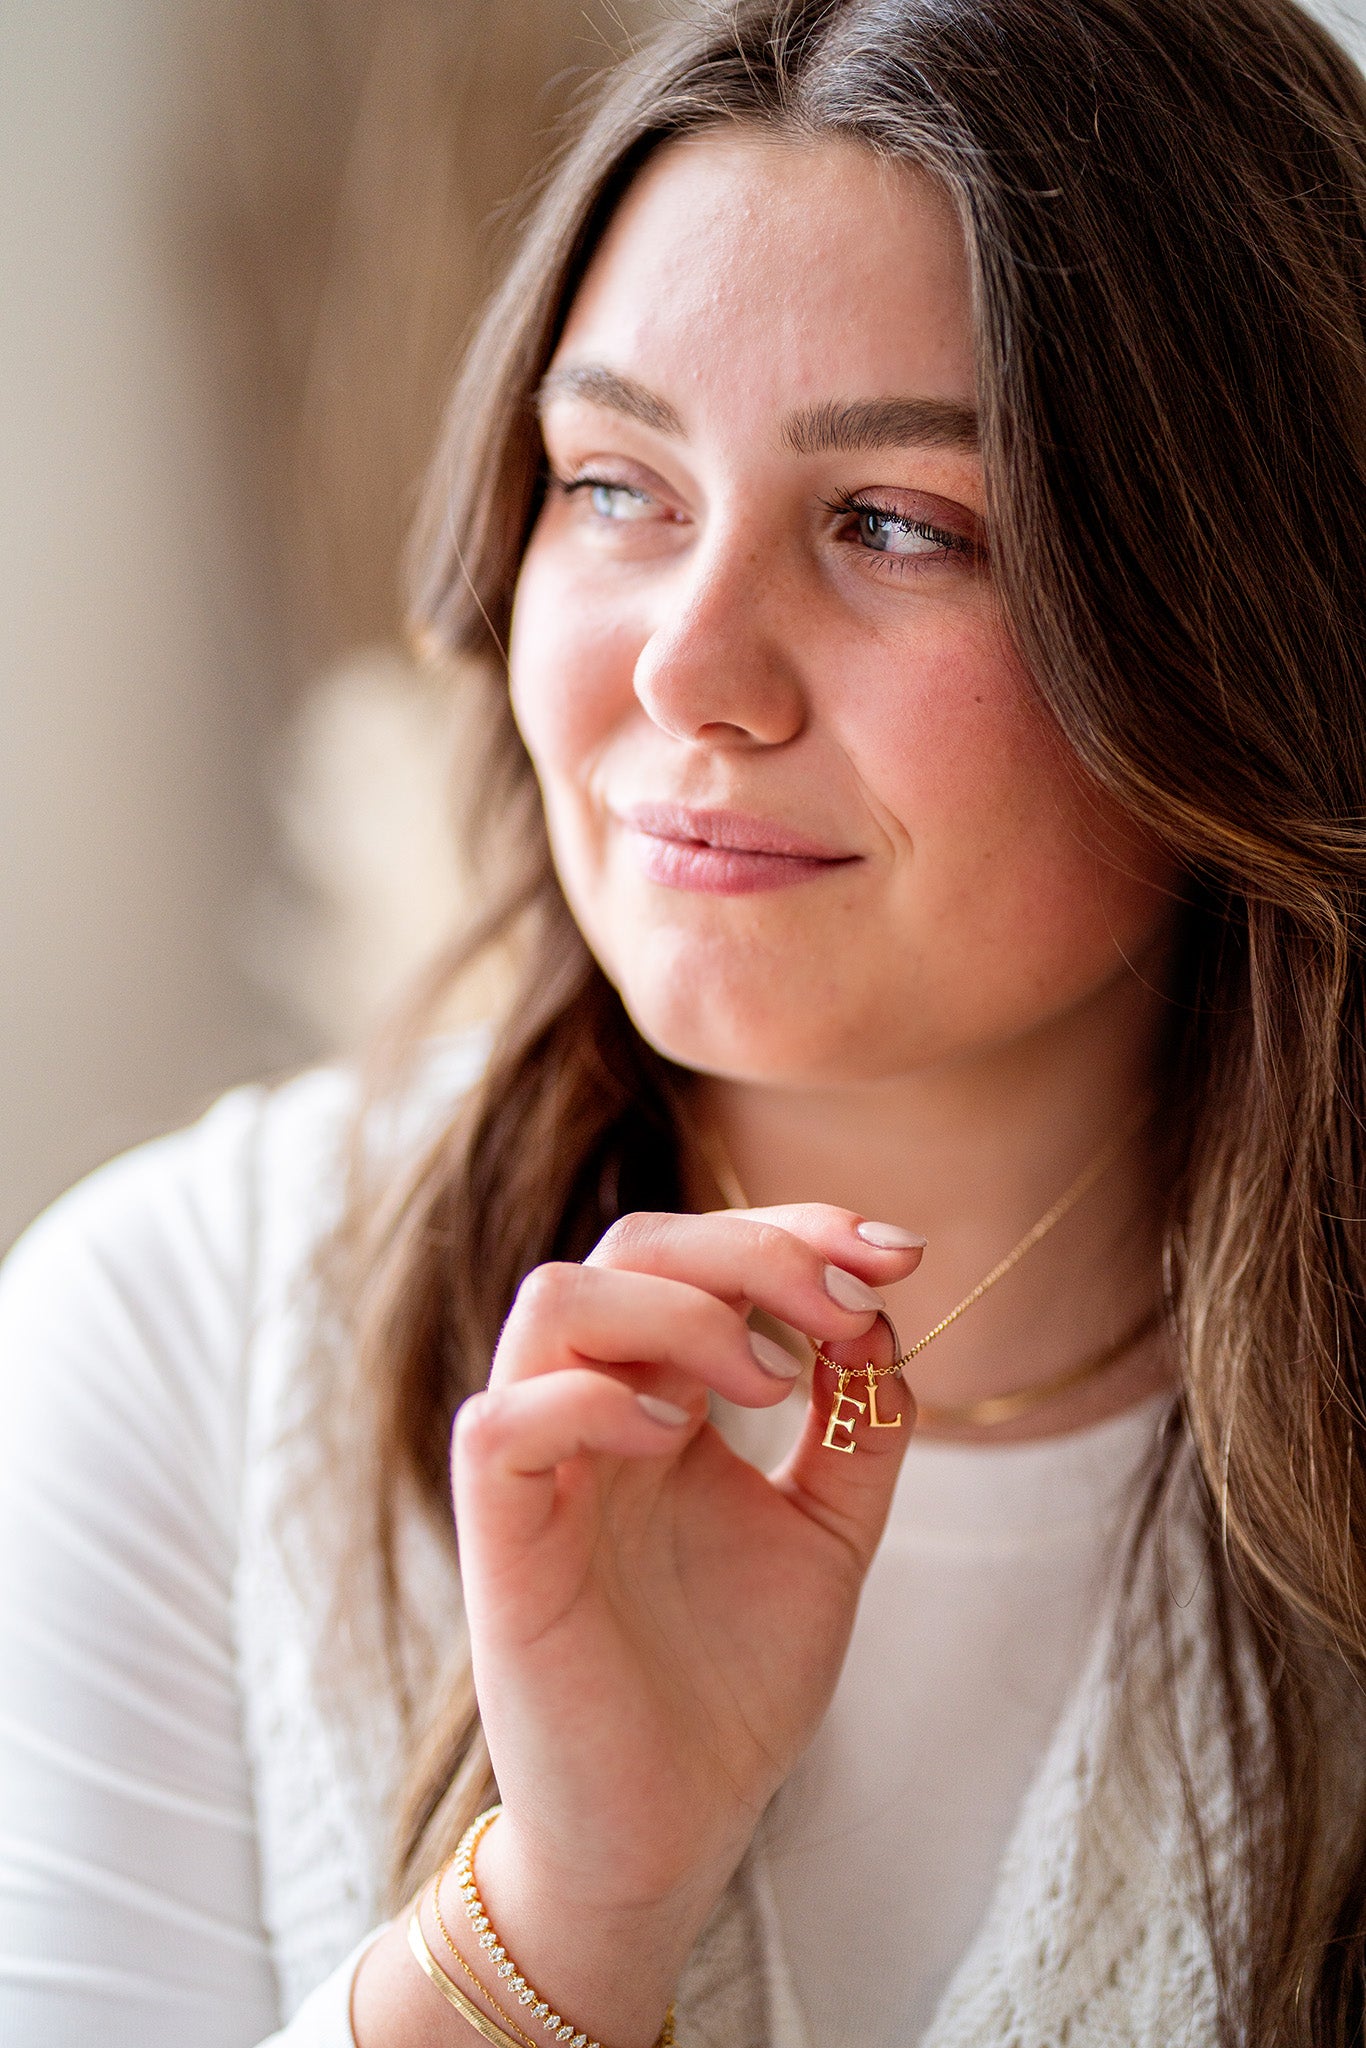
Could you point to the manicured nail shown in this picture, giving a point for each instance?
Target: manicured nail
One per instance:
(848, 1290)
(890, 1237)
(772, 1357)
(666, 1412)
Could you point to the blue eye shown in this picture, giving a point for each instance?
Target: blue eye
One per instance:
(617, 502)
(902, 540)
(892, 533)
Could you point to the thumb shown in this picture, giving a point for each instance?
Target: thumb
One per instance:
(843, 1468)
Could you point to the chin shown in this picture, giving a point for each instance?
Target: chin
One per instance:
(701, 1017)
(763, 1006)
(746, 1037)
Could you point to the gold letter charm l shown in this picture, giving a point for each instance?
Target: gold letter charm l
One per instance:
(876, 1421)
(838, 1421)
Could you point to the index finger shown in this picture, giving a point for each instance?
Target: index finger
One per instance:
(805, 1263)
(878, 1252)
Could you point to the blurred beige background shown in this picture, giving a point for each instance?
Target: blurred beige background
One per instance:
(240, 242)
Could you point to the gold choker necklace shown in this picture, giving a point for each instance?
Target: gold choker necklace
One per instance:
(993, 1408)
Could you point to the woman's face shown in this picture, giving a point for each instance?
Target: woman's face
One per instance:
(802, 800)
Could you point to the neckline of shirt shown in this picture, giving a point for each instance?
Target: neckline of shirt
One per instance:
(983, 1494)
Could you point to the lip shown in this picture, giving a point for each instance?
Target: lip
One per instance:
(724, 853)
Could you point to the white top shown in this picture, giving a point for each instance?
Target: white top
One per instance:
(884, 1844)
(191, 1827)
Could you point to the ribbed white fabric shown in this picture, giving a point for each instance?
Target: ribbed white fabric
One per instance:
(192, 1810)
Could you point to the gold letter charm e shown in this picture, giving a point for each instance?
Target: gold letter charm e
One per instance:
(838, 1421)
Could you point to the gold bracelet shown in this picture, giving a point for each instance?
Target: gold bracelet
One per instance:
(478, 1982)
(560, 2029)
(450, 1991)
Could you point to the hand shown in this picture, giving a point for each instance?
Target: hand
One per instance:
(656, 1626)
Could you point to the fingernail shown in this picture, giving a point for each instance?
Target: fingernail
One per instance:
(667, 1412)
(890, 1237)
(848, 1290)
(772, 1357)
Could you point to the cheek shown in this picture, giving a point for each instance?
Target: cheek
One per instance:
(1016, 862)
(571, 661)
(952, 747)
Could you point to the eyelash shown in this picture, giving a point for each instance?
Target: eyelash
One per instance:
(849, 505)
(569, 486)
(844, 503)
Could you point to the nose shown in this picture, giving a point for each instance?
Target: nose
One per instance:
(717, 667)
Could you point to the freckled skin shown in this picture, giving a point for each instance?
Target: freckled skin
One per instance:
(735, 644)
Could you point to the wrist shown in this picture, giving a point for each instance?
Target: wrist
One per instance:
(609, 1967)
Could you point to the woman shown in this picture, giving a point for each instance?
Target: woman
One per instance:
(915, 472)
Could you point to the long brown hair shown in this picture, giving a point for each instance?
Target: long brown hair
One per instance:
(1164, 204)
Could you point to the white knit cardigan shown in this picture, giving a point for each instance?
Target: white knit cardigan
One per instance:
(1093, 1938)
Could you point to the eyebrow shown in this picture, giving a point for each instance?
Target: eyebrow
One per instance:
(860, 423)
(828, 428)
(601, 386)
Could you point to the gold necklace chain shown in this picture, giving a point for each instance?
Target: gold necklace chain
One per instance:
(993, 1408)
(1051, 1218)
